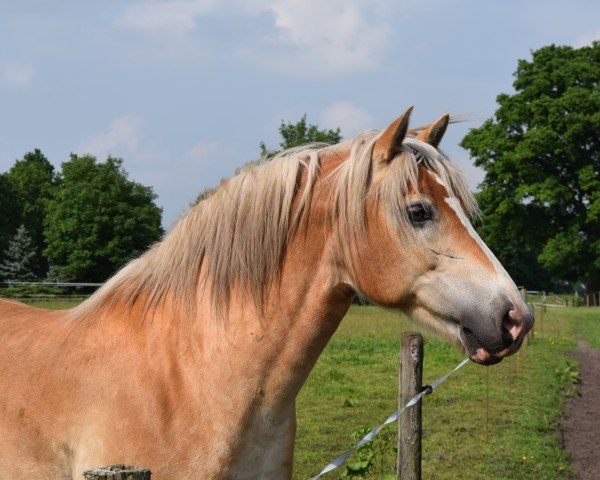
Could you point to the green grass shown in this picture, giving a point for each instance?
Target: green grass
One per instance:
(483, 423)
(508, 430)
(585, 324)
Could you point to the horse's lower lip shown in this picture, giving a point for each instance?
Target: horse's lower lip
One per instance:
(479, 353)
(483, 357)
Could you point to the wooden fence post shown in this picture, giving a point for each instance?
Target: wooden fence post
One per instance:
(541, 319)
(531, 333)
(117, 472)
(409, 423)
(544, 298)
(524, 295)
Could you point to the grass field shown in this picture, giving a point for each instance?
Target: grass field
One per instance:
(508, 431)
(483, 423)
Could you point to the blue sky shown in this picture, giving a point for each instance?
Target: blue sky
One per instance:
(185, 90)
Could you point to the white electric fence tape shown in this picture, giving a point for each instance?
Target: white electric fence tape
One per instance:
(338, 461)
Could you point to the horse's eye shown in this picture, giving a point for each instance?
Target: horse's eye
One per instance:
(418, 213)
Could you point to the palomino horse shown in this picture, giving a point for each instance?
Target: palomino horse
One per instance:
(189, 360)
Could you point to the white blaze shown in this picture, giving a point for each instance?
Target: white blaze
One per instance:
(455, 205)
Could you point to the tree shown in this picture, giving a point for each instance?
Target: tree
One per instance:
(10, 213)
(19, 258)
(98, 219)
(541, 156)
(33, 181)
(292, 135)
(301, 133)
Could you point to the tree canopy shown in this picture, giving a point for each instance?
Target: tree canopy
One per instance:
(10, 212)
(541, 154)
(301, 133)
(98, 219)
(32, 181)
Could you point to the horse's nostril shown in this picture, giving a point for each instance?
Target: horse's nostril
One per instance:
(507, 338)
(507, 322)
(511, 326)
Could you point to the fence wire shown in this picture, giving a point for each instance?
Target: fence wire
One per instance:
(340, 459)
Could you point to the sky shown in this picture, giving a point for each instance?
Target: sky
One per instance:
(185, 90)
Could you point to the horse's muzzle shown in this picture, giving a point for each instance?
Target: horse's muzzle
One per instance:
(515, 324)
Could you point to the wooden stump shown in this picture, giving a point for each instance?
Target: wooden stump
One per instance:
(117, 472)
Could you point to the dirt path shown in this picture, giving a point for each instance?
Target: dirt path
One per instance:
(581, 429)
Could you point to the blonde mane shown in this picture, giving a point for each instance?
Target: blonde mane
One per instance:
(237, 236)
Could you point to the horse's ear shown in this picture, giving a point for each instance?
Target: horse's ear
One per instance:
(434, 133)
(390, 143)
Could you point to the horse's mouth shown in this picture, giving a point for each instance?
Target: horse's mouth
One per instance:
(477, 352)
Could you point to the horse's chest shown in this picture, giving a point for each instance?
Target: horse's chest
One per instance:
(265, 452)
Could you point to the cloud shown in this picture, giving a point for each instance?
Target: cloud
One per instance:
(336, 36)
(123, 133)
(176, 177)
(17, 76)
(350, 118)
(588, 38)
(171, 17)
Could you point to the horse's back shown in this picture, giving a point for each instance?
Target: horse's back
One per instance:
(24, 329)
(14, 308)
(16, 318)
(10, 307)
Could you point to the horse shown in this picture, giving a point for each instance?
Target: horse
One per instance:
(188, 361)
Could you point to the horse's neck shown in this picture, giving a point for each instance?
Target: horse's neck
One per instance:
(276, 350)
(313, 300)
(266, 355)
(312, 296)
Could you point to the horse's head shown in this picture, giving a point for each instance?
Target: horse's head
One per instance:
(419, 252)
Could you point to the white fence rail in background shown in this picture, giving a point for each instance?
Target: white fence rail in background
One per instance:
(47, 290)
(553, 300)
(50, 284)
